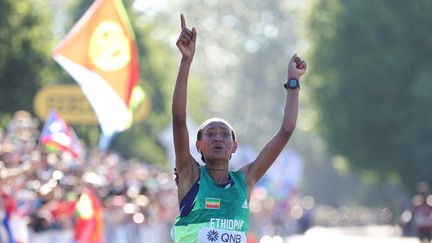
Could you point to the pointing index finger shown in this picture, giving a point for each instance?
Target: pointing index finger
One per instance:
(183, 22)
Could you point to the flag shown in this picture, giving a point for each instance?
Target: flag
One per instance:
(212, 203)
(100, 53)
(9, 209)
(89, 218)
(14, 225)
(58, 136)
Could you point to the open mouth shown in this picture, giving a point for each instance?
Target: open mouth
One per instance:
(217, 147)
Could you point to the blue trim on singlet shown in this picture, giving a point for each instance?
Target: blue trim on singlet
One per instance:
(188, 202)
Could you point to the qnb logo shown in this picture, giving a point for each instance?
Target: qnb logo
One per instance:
(231, 238)
(212, 235)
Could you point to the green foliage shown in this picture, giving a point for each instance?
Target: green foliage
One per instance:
(76, 10)
(371, 77)
(157, 72)
(25, 44)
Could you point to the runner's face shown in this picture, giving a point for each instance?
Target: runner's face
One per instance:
(216, 142)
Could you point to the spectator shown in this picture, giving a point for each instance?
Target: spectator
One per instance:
(422, 212)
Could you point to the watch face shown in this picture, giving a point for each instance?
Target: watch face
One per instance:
(293, 83)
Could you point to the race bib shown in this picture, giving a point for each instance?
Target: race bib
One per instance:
(212, 235)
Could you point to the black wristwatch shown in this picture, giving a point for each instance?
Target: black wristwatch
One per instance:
(292, 83)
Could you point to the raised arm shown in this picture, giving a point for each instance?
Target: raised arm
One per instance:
(255, 170)
(185, 164)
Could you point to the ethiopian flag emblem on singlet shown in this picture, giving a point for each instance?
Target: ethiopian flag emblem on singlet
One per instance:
(212, 203)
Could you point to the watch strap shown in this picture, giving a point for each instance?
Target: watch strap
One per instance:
(292, 83)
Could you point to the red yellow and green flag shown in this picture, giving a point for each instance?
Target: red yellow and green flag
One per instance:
(212, 203)
(100, 53)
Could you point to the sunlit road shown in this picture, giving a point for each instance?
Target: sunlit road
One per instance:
(367, 234)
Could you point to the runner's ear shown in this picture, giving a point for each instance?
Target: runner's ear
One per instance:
(234, 147)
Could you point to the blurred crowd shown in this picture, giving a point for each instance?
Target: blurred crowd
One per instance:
(40, 190)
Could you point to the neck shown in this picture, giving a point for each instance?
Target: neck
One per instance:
(222, 169)
(219, 175)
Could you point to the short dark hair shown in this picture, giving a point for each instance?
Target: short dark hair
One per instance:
(200, 129)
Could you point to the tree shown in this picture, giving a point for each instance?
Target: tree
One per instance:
(25, 43)
(371, 77)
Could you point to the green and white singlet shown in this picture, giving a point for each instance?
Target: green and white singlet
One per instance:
(220, 214)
